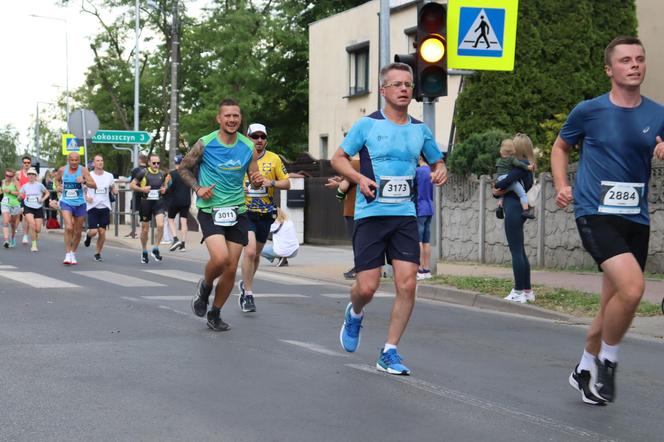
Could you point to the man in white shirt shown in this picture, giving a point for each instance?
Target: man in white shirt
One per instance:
(98, 204)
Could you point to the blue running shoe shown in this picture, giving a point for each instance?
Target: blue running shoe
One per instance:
(350, 331)
(390, 362)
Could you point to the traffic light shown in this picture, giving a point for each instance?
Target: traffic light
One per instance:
(431, 72)
(429, 62)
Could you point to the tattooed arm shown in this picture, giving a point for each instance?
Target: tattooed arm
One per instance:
(189, 171)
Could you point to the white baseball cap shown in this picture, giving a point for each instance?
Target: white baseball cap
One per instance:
(256, 127)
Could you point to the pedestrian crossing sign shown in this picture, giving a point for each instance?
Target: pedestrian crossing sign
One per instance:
(71, 144)
(481, 34)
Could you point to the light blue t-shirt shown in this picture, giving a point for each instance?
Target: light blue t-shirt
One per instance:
(388, 155)
(618, 145)
(72, 191)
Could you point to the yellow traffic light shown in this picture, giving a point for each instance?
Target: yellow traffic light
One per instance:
(432, 50)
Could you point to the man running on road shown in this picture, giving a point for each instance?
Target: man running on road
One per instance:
(149, 183)
(389, 143)
(260, 210)
(215, 168)
(180, 201)
(98, 204)
(70, 180)
(621, 130)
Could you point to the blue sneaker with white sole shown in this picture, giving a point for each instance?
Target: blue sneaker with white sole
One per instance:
(390, 362)
(350, 331)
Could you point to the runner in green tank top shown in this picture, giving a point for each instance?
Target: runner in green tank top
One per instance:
(11, 207)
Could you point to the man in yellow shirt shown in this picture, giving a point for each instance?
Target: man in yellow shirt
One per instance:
(261, 211)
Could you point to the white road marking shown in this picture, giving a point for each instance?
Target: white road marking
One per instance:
(36, 280)
(347, 295)
(7, 267)
(276, 295)
(177, 274)
(484, 404)
(314, 347)
(129, 298)
(173, 310)
(118, 279)
(287, 279)
(167, 298)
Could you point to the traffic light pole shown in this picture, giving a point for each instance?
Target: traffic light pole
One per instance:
(429, 114)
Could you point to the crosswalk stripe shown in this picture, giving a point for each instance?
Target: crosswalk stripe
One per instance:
(121, 280)
(314, 347)
(167, 298)
(177, 274)
(347, 295)
(6, 267)
(287, 279)
(36, 280)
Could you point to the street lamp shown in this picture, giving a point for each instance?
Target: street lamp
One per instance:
(64, 20)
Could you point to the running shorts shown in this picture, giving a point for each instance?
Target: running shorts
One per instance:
(380, 238)
(99, 217)
(260, 223)
(237, 233)
(606, 236)
(150, 208)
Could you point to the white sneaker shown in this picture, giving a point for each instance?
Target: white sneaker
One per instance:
(25, 239)
(530, 296)
(67, 260)
(72, 259)
(514, 296)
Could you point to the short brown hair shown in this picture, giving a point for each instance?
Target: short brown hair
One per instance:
(394, 67)
(622, 40)
(228, 102)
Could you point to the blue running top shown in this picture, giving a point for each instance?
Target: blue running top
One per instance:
(618, 145)
(72, 192)
(388, 155)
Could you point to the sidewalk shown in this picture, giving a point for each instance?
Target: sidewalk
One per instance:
(327, 263)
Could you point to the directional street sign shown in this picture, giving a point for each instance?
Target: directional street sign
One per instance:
(481, 34)
(71, 144)
(121, 137)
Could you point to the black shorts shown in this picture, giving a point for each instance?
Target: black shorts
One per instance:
(99, 217)
(237, 233)
(173, 211)
(37, 213)
(260, 223)
(606, 236)
(378, 238)
(148, 208)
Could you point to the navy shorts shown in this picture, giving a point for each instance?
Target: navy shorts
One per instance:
(76, 211)
(260, 223)
(606, 236)
(237, 233)
(380, 238)
(99, 217)
(424, 229)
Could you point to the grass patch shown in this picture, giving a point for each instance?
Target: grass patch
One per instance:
(573, 302)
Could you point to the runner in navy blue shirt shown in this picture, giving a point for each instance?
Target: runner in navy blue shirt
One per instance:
(389, 143)
(620, 130)
(425, 208)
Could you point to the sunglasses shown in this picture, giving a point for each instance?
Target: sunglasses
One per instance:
(27, 162)
(9, 176)
(257, 137)
(156, 163)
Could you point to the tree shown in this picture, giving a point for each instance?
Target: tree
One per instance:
(559, 59)
(8, 148)
(477, 154)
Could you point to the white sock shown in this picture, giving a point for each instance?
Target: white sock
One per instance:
(388, 347)
(608, 352)
(249, 293)
(587, 361)
(355, 315)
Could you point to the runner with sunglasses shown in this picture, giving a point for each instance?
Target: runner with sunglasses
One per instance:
(260, 210)
(149, 184)
(22, 177)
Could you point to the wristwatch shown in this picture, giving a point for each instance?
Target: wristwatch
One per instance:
(273, 183)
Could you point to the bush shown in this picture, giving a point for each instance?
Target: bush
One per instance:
(477, 153)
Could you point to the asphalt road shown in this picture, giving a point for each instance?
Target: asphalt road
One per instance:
(111, 351)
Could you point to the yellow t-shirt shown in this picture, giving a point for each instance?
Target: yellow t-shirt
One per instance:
(262, 200)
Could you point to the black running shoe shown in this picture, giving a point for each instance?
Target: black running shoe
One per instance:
(215, 322)
(350, 274)
(581, 381)
(175, 246)
(181, 247)
(144, 258)
(156, 255)
(88, 240)
(98, 257)
(199, 302)
(245, 301)
(605, 384)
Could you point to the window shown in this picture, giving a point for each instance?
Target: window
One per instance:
(323, 147)
(358, 62)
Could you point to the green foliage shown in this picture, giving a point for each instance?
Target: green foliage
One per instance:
(477, 153)
(8, 149)
(559, 61)
(551, 130)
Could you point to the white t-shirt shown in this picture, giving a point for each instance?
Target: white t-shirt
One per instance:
(100, 194)
(285, 240)
(33, 193)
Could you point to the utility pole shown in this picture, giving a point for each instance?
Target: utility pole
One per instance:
(384, 41)
(175, 62)
(136, 79)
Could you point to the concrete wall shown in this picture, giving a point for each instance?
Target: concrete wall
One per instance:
(470, 234)
(651, 32)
